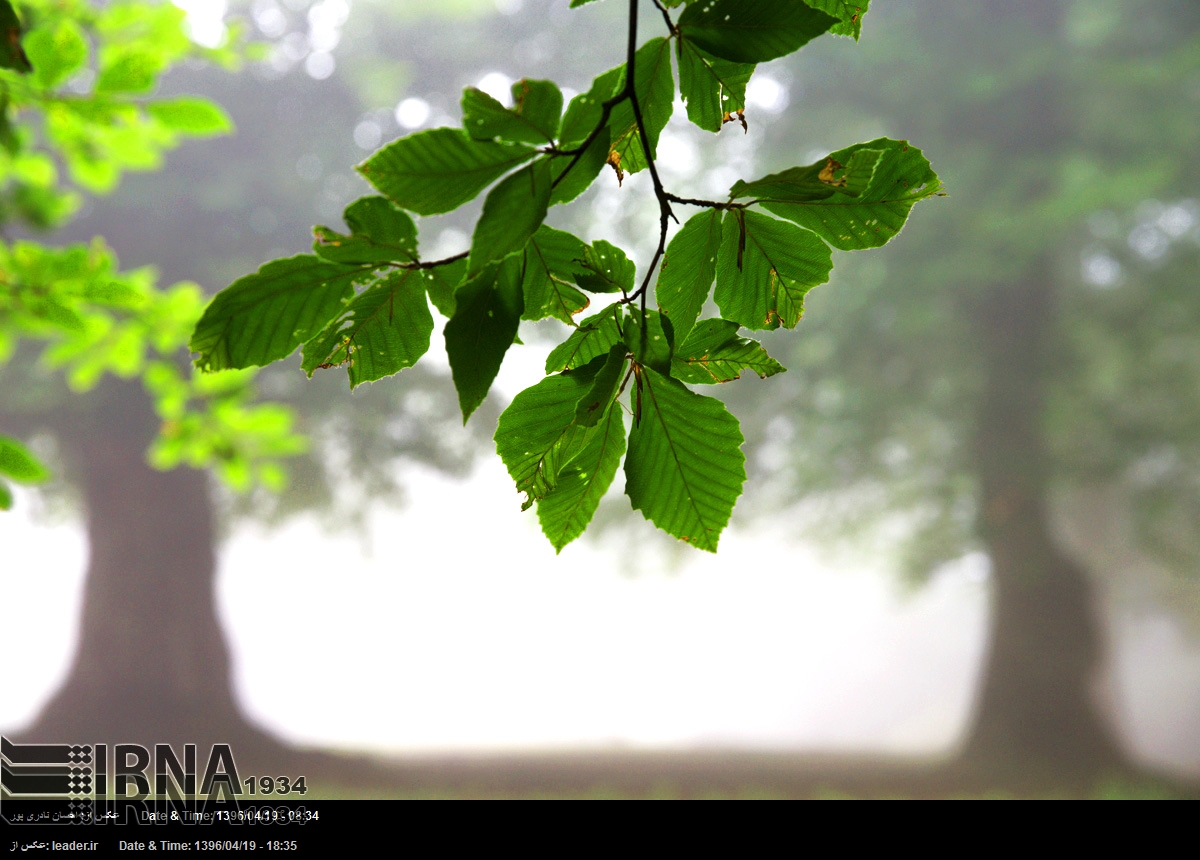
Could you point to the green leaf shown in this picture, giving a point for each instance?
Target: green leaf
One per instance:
(685, 468)
(605, 269)
(537, 434)
(380, 232)
(482, 329)
(765, 268)
(713, 352)
(441, 282)
(551, 261)
(581, 118)
(901, 177)
(688, 269)
(263, 317)
(383, 330)
(655, 89)
(600, 396)
(12, 56)
(512, 212)
(566, 510)
(18, 464)
(583, 174)
(191, 116)
(848, 12)
(584, 111)
(130, 70)
(819, 181)
(652, 343)
(6, 498)
(752, 31)
(438, 170)
(713, 89)
(595, 336)
(56, 52)
(534, 117)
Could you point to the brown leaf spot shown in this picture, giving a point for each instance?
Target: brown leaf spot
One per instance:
(736, 116)
(826, 174)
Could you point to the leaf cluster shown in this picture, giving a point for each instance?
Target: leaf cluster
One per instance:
(76, 94)
(362, 298)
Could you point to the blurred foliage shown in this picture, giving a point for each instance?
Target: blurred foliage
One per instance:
(77, 98)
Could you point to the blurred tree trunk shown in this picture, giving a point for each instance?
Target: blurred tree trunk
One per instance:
(1036, 712)
(152, 663)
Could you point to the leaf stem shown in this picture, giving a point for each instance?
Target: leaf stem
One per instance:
(432, 264)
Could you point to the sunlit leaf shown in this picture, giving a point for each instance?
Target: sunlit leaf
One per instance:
(533, 118)
(564, 512)
(383, 330)
(551, 262)
(764, 269)
(713, 352)
(900, 177)
(263, 317)
(537, 434)
(380, 232)
(688, 269)
(595, 336)
(684, 469)
(439, 170)
(712, 88)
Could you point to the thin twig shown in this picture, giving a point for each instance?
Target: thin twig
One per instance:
(432, 264)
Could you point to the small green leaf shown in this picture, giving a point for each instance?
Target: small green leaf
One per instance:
(688, 269)
(713, 89)
(263, 317)
(482, 329)
(713, 352)
(651, 343)
(901, 177)
(752, 31)
(383, 330)
(595, 336)
(685, 468)
(566, 510)
(534, 117)
(512, 212)
(130, 70)
(765, 267)
(606, 269)
(56, 51)
(848, 12)
(655, 89)
(551, 261)
(18, 464)
(604, 388)
(537, 434)
(380, 232)
(438, 170)
(6, 498)
(191, 116)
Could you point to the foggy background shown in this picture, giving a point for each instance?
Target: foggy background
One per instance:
(396, 600)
